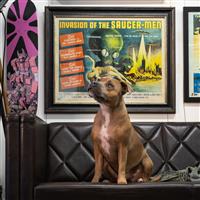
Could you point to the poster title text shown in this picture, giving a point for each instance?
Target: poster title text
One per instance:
(111, 24)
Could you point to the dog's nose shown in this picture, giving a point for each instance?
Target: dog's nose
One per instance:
(93, 84)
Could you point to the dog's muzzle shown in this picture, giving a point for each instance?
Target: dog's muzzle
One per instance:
(92, 85)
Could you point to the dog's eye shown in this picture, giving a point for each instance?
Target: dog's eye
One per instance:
(110, 86)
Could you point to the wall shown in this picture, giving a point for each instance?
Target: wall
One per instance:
(185, 111)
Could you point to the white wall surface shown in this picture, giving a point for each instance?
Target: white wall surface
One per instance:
(185, 111)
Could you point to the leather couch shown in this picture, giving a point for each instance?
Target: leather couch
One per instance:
(55, 161)
(0, 192)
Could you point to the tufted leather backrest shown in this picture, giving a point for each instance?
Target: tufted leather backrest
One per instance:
(171, 146)
(70, 152)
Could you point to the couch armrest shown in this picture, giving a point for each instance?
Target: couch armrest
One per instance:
(33, 154)
(12, 156)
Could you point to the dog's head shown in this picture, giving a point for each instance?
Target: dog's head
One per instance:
(108, 90)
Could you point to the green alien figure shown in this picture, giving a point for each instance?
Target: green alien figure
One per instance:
(106, 44)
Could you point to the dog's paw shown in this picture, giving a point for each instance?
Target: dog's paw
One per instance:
(140, 180)
(95, 180)
(121, 181)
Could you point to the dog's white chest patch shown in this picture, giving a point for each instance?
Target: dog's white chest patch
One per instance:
(104, 136)
(105, 139)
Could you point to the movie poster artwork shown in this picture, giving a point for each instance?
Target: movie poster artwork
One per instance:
(194, 54)
(136, 47)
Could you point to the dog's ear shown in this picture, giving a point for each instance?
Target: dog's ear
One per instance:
(126, 88)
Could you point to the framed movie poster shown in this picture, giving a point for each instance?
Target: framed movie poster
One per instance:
(137, 42)
(192, 54)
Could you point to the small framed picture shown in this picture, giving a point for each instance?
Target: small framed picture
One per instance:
(191, 54)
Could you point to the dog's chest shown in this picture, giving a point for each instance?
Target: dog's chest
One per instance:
(104, 138)
(104, 134)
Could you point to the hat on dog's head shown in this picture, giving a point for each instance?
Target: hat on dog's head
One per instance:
(99, 72)
(125, 84)
(117, 75)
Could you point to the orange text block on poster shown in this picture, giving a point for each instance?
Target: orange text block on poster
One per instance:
(71, 39)
(72, 82)
(71, 53)
(71, 67)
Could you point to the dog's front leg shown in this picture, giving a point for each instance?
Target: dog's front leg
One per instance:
(98, 164)
(122, 159)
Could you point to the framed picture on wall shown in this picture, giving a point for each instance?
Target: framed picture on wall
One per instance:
(138, 42)
(191, 54)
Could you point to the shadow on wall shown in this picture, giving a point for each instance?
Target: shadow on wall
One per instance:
(104, 2)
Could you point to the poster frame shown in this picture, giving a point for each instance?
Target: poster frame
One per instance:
(187, 67)
(51, 12)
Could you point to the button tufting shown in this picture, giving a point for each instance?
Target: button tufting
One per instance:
(171, 146)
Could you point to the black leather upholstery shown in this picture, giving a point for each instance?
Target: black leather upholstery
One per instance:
(26, 154)
(70, 153)
(196, 190)
(171, 146)
(33, 154)
(12, 157)
(88, 191)
(55, 161)
(0, 192)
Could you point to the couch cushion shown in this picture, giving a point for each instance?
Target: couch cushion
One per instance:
(196, 188)
(70, 152)
(83, 191)
(171, 146)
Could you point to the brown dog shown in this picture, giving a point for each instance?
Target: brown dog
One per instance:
(118, 151)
